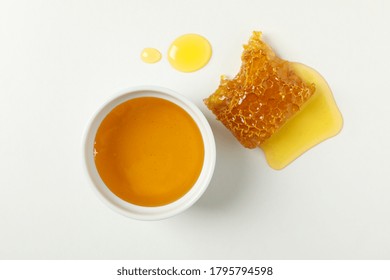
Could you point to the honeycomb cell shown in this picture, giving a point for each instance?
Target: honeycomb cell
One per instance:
(264, 94)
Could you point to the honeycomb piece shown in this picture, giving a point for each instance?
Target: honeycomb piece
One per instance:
(261, 98)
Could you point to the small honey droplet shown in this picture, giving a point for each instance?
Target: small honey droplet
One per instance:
(150, 55)
(189, 52)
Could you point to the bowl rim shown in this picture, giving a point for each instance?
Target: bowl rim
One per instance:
(143, 212)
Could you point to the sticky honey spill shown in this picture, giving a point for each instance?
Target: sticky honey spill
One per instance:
(189, 52)
(282, 107)
(150, 55)
(149, 151)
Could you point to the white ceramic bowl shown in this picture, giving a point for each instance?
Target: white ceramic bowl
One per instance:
(141, 212)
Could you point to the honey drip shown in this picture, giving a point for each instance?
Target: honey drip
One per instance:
(262, 97)
(189, 52)
(150, 55)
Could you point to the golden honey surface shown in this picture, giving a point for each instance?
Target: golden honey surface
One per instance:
(150, 55)
(149, 151)
(189, 52)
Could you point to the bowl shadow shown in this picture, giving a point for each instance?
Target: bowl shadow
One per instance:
(230, 169)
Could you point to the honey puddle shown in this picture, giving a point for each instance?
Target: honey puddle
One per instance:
(189, 52)
(318, 120)
(150, 55)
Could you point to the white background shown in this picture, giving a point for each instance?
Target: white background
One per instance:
(60, 60)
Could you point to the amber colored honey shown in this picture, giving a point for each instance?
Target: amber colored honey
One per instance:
(149, 151)
(261, 97)
(282, 107)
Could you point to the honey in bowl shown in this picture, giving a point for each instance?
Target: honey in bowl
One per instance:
(149, 151)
